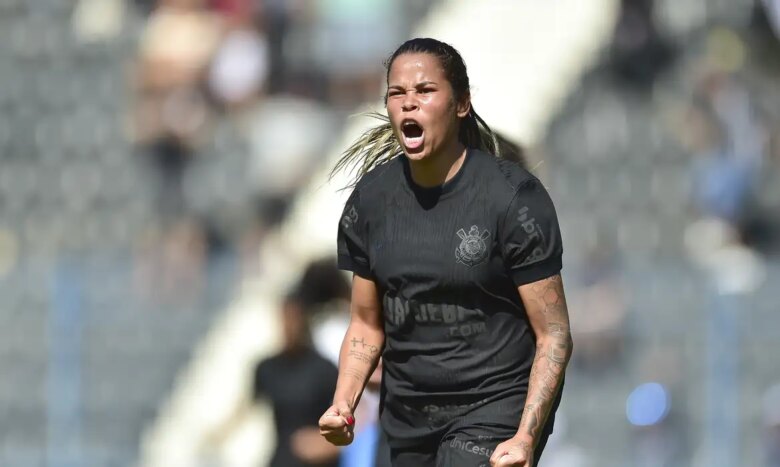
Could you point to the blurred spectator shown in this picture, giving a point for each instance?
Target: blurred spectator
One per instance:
(598, 311)
(176, 46)
(639, 53)
(291, 29)
(322, 282)
(281, 160)
(771, 414)
(727, 134)
(171, 265)
(298, 382)
(721, 183)
(276, 17)
(240, 68)
(733, 105)
(354, 37)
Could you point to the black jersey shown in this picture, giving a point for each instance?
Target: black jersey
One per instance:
(447, 262)
(298, 386)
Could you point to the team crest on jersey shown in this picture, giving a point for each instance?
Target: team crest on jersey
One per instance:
(472, 249)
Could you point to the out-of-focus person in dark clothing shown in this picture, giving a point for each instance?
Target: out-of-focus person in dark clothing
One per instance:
(639, 53)
(296, 382)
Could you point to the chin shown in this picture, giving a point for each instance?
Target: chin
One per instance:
(416, 155)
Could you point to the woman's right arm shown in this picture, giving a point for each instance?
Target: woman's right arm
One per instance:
(360, 352)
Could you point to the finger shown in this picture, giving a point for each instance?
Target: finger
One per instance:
(497, 453)
(330, 420)
(507, 460)
(340, 439)
(346, 413)
(325, 431)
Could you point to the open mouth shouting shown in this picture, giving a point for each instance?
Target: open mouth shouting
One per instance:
(412, 134)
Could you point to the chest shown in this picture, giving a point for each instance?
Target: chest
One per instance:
(453, 244)
(290, 391)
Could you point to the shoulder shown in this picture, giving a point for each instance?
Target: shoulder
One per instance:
(379, 175)
(377, 180)
(265, 367)
(512, 176)
(320, 362)
(270, 361)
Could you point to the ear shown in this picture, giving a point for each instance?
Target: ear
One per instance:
(464, 106)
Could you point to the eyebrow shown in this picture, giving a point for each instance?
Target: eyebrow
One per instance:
(418, 85)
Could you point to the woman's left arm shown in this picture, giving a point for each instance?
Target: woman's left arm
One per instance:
(545, 304)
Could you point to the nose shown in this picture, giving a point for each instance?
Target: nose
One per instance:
(409, 103)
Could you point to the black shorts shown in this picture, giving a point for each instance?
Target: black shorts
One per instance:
(468, 439)
(468, 446)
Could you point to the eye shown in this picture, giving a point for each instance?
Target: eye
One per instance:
(393, 93)
(426, 90)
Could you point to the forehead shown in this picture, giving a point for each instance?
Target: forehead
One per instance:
(415, 67)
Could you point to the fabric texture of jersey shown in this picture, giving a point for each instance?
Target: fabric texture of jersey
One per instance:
(448, 261)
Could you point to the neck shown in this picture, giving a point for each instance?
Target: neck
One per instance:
(438, 168)
(295, 348)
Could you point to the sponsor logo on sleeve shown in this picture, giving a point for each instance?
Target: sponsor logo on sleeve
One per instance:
(535, 237)
(350, 218)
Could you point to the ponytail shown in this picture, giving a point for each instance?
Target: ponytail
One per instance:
(374, 147)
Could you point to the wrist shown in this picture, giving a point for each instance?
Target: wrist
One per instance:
(524, 438)
(341, 401)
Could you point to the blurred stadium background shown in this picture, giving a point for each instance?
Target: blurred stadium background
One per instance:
(163, 183)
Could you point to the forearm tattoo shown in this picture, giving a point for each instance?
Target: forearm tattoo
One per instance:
(357, 375)
(363, 351)
(552, 354)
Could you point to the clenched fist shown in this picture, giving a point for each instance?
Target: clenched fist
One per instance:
(513, 453)
(337, 424)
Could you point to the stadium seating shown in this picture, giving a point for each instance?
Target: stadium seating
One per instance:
(74, 200)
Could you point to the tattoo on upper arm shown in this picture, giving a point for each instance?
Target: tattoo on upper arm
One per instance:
(548, 293)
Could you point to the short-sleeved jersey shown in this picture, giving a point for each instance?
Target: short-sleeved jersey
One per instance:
(298, 385)
(448, 261)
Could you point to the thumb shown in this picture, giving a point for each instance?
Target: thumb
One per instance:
(497, 453)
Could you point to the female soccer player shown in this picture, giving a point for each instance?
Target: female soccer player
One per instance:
(456, 256)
